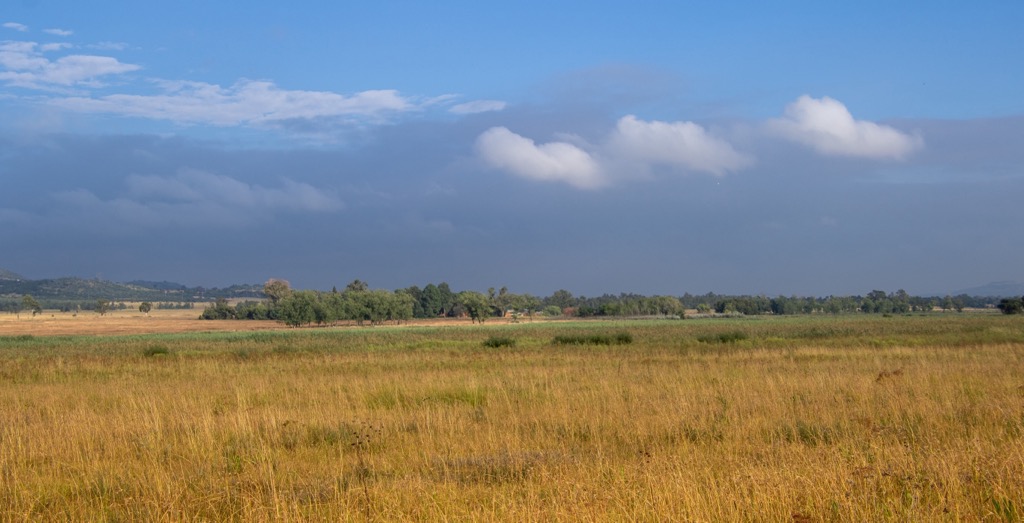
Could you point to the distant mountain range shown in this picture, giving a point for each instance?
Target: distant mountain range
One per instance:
(998, 289)
(13, 285)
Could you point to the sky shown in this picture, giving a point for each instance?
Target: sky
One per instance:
(657, 147)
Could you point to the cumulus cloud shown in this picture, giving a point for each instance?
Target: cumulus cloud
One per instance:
(58, 32)
(24, 65)
(247, 102)
(632, 145)
(554, 161)
(828, 127)
(675, 144)
(16, 26)
(478, 106)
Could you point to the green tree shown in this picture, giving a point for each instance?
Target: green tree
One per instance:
(30, 303)
(561, 298)
(145, 307)
(102, 306)
(277, 290)
(357, 286)
(477, 305)
(669, 306)
(1011, 305)
(437, 300)
(298, 308)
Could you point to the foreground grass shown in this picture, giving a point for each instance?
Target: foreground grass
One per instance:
(806, 419)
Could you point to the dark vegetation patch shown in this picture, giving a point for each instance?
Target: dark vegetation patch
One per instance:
(621, 338)
(723, 337)
(495, 342)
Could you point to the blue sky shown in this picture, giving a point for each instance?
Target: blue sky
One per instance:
(656, 147)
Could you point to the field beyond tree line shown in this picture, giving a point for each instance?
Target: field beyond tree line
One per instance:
(781, 418)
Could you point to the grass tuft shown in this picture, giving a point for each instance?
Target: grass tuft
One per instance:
(723, 337)
(495, 342)
(156, 350)
(621, 338)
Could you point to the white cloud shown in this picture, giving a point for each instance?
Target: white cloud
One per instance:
(58, 32)
(478, 106)
(554, 161)
(25, 66)
(828, 127)
(632, 146)
(56, 46)
(675, 144)
(16, 26)
(247, 102)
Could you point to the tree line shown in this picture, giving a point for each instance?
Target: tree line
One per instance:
(358, 303)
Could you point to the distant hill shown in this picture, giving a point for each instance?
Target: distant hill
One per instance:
(159, 285)
(999, 289)
(83, 290)
(8, 275)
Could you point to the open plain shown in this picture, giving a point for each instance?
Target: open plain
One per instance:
(815, 418)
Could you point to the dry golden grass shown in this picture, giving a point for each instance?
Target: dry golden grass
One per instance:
(159, 321)
(131, 321)
(862, 419)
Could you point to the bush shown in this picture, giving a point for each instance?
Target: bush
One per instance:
(156, 350)
(722, 337)
(220, 310)
(552, 310)
(622, 338)
(499, 341)
(1011, 305)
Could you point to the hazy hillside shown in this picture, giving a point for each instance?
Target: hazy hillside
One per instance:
(1000, 289)
(8, 275)
(80, 289)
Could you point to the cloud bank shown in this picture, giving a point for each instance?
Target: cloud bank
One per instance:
(478, 106)
(74, 78)
(247, 102)
(637, 146)
(24, 65)
(195, 197)
(828, 127)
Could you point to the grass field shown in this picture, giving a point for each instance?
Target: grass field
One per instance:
(853, 418)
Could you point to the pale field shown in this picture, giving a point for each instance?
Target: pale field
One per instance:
(166, 321)
(130, 321)
(797, 419)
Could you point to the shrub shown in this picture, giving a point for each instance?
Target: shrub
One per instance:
(552, 310)
(622, 338)
(1011, 305)
(156, 350)
(722, 337)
